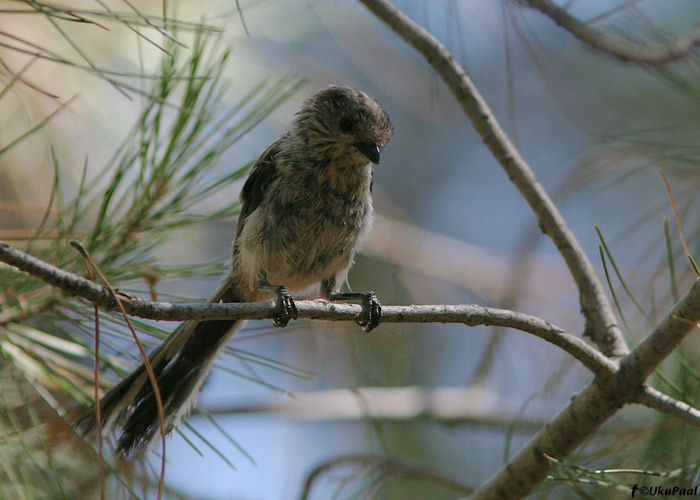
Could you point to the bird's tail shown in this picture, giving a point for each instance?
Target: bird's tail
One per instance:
(180, 364)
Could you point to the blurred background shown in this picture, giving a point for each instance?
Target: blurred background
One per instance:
(85, 115)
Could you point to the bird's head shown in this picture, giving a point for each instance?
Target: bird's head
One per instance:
(346, 124)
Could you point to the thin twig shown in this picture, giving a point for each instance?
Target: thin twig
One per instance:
(672, 199)
(659, 401)
(601, 325)
(470, 315)
(96, 383)
(149, 369)
(626, 50)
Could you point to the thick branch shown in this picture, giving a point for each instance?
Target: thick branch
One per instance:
(600, 320)
(598, 402)
(625, 50)
(470, 315)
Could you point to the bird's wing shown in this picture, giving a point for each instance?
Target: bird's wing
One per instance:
(261, 176)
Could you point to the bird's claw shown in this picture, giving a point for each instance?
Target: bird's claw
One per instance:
(286, 308)
(371, 312)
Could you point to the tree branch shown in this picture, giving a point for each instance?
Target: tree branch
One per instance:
(598, 402)
(663, 339)
(470, 315)
(600, 320)
(670, 406)
(625, 50)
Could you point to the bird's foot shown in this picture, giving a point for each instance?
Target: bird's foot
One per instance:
(286, 308)
(371, 312)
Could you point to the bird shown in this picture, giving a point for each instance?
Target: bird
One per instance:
(305, 209)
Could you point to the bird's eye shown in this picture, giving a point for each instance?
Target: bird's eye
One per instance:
(346, 125)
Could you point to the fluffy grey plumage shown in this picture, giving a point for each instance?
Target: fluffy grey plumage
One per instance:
(305, 208)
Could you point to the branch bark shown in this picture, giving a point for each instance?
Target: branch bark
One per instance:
(601, 324)
(659, 401)
(626, 50)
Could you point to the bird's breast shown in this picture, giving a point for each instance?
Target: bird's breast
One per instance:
(299, 240)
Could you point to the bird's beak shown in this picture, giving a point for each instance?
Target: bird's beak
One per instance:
(370, 150)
